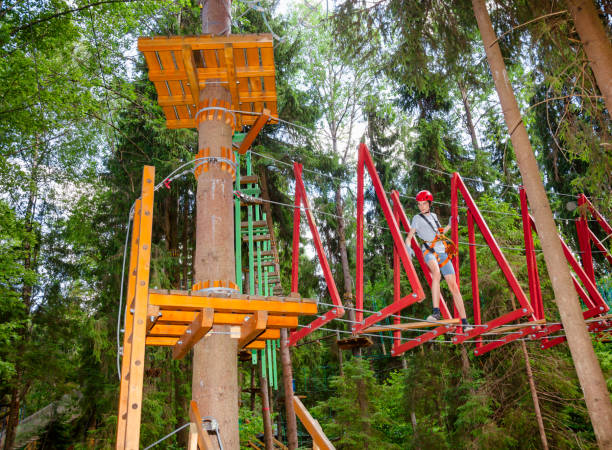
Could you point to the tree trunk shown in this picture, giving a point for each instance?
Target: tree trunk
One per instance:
(265, 406)
(13, 417)
(468, 117)
(587, 367)
(596, 45)
(340, 358)
(292, 439)
(215, 365)
(534, 396)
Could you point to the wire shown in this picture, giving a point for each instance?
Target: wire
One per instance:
(167, 436)
(125, 246)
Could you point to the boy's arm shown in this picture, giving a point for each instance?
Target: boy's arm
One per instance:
(410, 236)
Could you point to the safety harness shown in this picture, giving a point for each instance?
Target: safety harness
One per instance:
(449, 246)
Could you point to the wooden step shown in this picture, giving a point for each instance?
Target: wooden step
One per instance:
(256, 224)
(268, 253)
(249, 179)
(257, 238)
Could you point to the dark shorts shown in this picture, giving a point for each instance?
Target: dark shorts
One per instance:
(448, 267)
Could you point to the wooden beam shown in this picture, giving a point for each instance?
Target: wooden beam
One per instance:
(153, 313)
(518, 326)
(254, 131)
(127, 342)
(204, 441)
(312, 426)
(139, 330)
(228, 52)
(270, 334)
(256, 345)
(157, 341)
(159, 43)
(249, 179)
(186, 317)
(252, 328)
(196, 331)
(413, 325)
(257, 238)
(192, 76)
(246, 305)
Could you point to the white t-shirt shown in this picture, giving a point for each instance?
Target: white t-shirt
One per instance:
(426, 232)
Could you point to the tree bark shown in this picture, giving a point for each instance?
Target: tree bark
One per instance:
(215, 365)
(534, 396)
(292, 438)
(596, 45)
(265, 406)
(253, 387)
(587, 367)
(13, 418)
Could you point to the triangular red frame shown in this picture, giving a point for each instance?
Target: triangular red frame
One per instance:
(338, 311)
(474, 216)
(364, 160)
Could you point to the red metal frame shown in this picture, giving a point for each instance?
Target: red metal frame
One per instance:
(458, 186)
(591, 296)
(365, 160)
(338, 311)
(398, 347)
(586, 236)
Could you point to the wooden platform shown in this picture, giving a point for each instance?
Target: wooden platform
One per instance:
(354, 342)
(171, 313)
(180, 66)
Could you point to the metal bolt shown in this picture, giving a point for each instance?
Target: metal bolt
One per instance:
(188, 331)
(414, 295)
(148, 180)
(475, 352)
(179, 342)
(524, 309)
(145, 247)
(132, 310)
(147, 212)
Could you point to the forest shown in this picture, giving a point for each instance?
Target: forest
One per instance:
(411, 79)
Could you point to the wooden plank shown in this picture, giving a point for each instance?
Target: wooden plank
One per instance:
(249, 179)
(151, 60)
(204, 41)
(257, 238)
(413, 325)
(256, 345)
(165, 330)
(256, 224)
(137, 356)
(157, 341)
(255, 82)
(228, 53)
(193, 437)
(196, 301)
(280, 444)
(254, 131)
(127, 334)
(186, 317)
(196, 331)
(518, 326)
(258, 96)
(203, 438)
(165, 56)
(253, 328)
(192, 76)
(312, 426)
(270, 334)
(210, 59)
(153, 314)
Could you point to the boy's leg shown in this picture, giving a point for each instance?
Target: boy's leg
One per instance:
(456, 293)
(435, 281)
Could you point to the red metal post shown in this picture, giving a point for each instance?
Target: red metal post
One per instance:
(474, 272)
(584, 242)
(600, 246)
(359, 250)
(396, 285)
(535, 291)
(295, 257)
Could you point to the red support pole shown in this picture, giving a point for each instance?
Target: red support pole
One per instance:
(455, 233)
(605, 225)
(584, 242)
(474, 273)
(396, 285)
(359, 250)
(535, 291)
(295, 257)
(600, 246)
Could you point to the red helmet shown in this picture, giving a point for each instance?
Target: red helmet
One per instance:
(424, 196)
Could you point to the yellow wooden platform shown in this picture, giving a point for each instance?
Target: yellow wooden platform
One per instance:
(180, 66)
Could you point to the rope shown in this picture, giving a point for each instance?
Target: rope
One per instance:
(167, 436)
